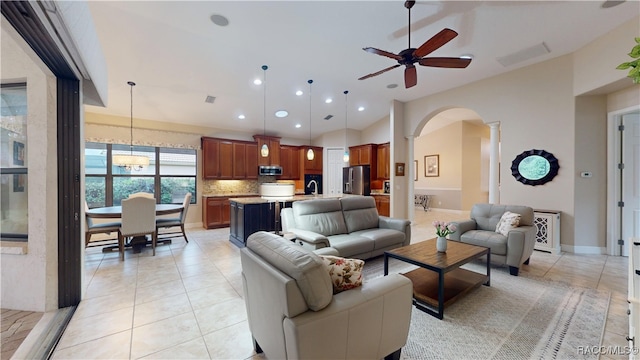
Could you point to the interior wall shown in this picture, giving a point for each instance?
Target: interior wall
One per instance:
(624, 98)
(37, 290)
(535, 108)
(446, 188)
(377, 133)
(475, 165)
(607, 52)
(591, 156)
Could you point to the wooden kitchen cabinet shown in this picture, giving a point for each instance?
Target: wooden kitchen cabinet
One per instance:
(274, 150)
(290, 162)
(312, 166)
(383, 161)
(383, 204)
(213, 152)
(216, 212)
(363, 155)
(224, 159)
(252, 161)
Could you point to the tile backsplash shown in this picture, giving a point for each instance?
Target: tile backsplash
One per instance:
(235, 187)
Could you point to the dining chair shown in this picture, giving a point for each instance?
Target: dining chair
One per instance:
(97, 228)
(138, 219)
(143, 194)
(164, 223)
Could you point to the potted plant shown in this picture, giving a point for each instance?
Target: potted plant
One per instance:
(634, 73)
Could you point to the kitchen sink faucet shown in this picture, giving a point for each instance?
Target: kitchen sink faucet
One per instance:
(315, 191)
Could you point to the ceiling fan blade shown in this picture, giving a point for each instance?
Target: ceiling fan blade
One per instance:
(410, 76)
(379, 72)
(435, 42)
(383, 53)
(445, 62)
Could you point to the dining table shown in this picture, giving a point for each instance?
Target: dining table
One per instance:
(115, 212)
(137, 243)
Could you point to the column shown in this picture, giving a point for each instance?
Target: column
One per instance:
(494, 161)
(411, 175)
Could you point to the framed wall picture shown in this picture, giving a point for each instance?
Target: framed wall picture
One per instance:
(18, 153)
(399, 169)
(431, 165)
(415, 170)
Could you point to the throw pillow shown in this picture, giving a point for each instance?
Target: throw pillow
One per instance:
(507, 222)
(345, 273)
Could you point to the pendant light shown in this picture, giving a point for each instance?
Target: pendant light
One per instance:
(131, 162)
(310, 154)
(345, 157)
(264, 150)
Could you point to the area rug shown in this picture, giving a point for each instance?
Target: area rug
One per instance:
(520, 317)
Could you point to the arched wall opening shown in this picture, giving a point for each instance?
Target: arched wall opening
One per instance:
(451, 154)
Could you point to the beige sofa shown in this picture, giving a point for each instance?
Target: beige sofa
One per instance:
(293, 313)
(351, 225)
(514, 249)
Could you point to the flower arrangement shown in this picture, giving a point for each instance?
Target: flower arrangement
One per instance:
(444, 228)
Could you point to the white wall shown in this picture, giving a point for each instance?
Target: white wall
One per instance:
(595, 64)
(535, 108)
(30, 281)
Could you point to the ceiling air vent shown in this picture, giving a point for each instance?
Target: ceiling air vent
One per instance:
(524, 54)
(210, 99)
(328, 117)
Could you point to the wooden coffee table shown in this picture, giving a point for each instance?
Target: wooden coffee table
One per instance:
(440, 281)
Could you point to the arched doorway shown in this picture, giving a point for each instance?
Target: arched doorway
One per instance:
(452, 151)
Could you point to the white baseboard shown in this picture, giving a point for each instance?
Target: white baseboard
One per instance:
(193, 225)
(443, 210)
(584, 250)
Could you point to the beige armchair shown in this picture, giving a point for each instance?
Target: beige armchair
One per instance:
(293, 313)
(138, 219)
(163, 223)
(512, 250)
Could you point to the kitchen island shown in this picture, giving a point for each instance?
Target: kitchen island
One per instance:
(251, 214)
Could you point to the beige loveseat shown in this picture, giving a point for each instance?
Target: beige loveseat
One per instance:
(351, 225)
(514, 249)
(293, 313)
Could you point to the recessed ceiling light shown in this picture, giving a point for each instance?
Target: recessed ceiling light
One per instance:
(219, 20)
(299, 93)
(282, 113)
(361, 108)
(328, 101)
(298, 126)
(257, 82)
(392, 86)
(241, 117)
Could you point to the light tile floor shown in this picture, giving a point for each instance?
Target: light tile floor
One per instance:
(186, 302)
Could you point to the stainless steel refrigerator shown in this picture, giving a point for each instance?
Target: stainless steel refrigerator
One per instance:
(355, 180)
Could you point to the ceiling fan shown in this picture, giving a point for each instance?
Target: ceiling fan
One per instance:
(410, 56)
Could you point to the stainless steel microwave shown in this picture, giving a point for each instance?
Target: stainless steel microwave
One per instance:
(270, 170)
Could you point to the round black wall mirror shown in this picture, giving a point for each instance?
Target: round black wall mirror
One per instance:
(535, 167)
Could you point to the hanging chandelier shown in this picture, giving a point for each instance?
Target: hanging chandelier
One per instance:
(310, 154)
(345, 157)
(264, 150)
(131, 162)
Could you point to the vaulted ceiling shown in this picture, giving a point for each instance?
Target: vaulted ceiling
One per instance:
(178, 56)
